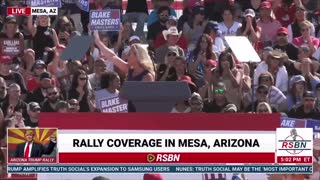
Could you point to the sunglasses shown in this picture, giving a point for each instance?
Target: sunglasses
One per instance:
(304, 29)
(2, 87)
(263, 92)
(219, 91)
(74, 104)
(171, 54)
(52, 93)
(82, 79)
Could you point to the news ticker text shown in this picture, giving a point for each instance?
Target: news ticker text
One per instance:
(282, 169)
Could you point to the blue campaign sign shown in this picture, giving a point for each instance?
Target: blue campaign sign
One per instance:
(292, 122)
(315, 124)
(83, 5)
(105, 20)
(44, 3)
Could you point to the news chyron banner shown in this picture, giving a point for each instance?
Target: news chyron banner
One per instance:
(28, 11)
(159, 148)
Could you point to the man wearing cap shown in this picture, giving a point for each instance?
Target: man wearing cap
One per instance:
(160, 25)
(38, 95)
(31, 149)
(284, 44)
(196, 103)
(307, 110)
(160, 40)
(33, 110)
(171, 36)
(38, 68)
(50, 103)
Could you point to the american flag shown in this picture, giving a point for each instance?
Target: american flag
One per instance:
(214, 177)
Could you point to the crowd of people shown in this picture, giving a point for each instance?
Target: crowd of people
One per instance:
(189, 48)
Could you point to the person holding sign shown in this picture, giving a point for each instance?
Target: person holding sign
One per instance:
(44, 37)
(139, 66)
(12, 41)
(107, 99)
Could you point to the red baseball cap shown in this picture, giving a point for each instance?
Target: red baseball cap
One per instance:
(5, 59)
(152, 177)
(211, 63)
(188, 80)
(282, 30)
(265, 5)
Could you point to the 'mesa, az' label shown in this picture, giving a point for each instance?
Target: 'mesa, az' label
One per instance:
(50, 11)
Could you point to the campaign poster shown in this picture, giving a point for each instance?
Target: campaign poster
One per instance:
(292, 123)
(10, 47)
(45, 3)
(315, 124)
(112, 105)
(83, 5)
(105, 20)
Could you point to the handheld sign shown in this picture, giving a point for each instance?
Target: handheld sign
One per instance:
(77, 48)
(110, 103)
(83, 5)
(10, 47)
(242, 49)
(105, 20)
(45, 3)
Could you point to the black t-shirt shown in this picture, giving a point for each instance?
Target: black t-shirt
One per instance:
(137, 6)
(212, 107)
(291, 51)
(74, 94)
(172, 76)
(27, 122)
(299, 113)
(46, 107)
(35, 96)
(14, 77)
(154, 30)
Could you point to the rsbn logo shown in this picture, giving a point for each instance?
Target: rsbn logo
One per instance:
(294, 143)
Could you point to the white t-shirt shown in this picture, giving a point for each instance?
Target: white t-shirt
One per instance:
(316, 55)
(232, 31)
(218, 46)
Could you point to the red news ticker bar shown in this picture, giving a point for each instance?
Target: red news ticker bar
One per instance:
(19, 11)
(295, 160)
(184, 158)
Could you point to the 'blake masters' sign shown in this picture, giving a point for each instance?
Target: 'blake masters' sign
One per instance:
(113, 105)
(105, 20)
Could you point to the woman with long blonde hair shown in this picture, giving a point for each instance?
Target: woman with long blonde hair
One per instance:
(139, 66)
(44, 37)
